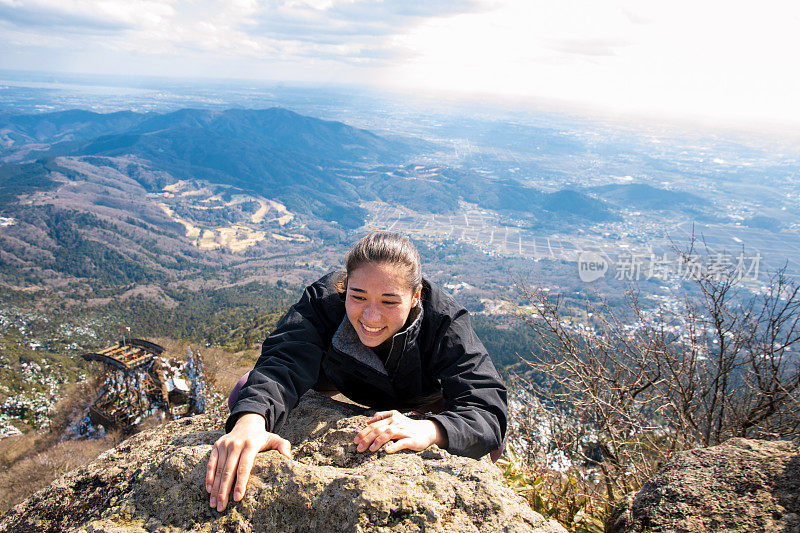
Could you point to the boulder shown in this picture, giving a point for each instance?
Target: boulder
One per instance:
(741, 485)
(153, 482)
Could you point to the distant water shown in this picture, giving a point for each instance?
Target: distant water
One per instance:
(32, 96)
(31, 92)
(88, 89)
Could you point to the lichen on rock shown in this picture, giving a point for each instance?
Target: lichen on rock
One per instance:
(742, 485)
(153, 482)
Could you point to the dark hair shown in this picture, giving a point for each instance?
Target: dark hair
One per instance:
(384, 247)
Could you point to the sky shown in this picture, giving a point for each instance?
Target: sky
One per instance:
(727, 60)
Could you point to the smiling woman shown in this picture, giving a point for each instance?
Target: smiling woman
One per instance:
(382, 284)
(383, 336)
(377, 315)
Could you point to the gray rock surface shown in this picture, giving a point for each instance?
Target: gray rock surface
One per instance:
(741, 485)
(153, 482)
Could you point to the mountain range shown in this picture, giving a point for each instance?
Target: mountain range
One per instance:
(153, 193)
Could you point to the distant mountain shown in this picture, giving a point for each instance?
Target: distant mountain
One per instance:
(577, 204)
(505, 194)
(647, 197)
(276, 129)
(271, 152)
(72, 125)
(207, 154)
(279, 130)
(558, 207)
(763, 222)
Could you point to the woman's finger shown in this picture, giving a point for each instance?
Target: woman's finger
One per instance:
(402, 444)
(382, 439)
(281, 445)
(369, 433)
(210, 467)
(228, 474)
(380, 415)
(246, 460)
(366, 440)
(222, 454)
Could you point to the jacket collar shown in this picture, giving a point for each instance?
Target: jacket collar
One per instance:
(346, 341)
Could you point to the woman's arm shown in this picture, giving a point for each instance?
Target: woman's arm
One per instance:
(476, 405)
(291, 356)
(288, 367)
(474, 421)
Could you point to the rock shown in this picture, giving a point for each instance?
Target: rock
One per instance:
(741, 485)
(153, 481)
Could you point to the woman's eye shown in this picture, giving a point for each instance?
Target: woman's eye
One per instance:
(354, 297)
(391, 303)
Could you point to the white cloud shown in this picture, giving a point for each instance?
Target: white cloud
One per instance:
(715, 58)
(85, 15)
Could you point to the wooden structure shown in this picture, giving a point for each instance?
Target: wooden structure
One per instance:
(134, 385)
(128, 354)
(141, 381)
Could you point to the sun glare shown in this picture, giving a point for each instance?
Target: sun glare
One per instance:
(711, 59)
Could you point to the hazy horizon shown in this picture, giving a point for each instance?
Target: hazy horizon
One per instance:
(253, 93)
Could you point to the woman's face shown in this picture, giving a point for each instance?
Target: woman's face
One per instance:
(378, 301)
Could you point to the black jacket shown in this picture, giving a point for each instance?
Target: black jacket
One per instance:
(438, 353)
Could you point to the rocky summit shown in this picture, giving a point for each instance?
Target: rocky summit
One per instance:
(742, 485)
(153, 482)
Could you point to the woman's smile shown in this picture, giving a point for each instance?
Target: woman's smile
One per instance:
(371, 330)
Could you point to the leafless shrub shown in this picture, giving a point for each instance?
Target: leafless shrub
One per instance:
(617, 398)
(34, 472)
(31, 461)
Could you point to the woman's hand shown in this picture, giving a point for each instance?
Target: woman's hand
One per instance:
(407, 433)
(233, 455)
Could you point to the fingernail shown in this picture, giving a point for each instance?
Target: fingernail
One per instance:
(213, 502)
(237, 495)
(360, 448)
(208, 489)
(220, 507)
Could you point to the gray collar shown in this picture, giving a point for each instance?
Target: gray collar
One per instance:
(346, 341)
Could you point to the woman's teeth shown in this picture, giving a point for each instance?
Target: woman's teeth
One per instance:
(370, 330)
